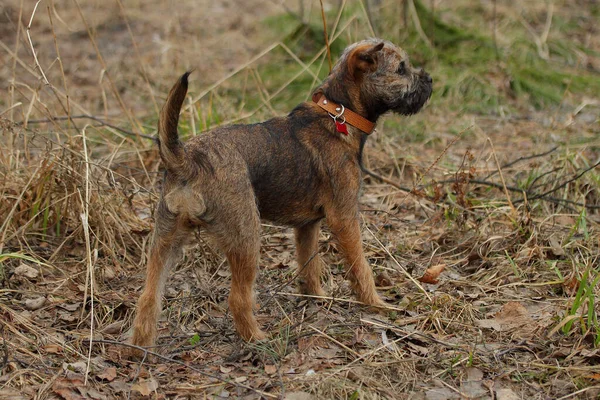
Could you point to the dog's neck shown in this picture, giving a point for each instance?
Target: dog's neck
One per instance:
(343, 117)
(345, 91)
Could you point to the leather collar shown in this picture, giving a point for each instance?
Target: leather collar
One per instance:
(342, 115)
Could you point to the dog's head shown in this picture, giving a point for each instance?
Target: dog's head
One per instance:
(377, 77)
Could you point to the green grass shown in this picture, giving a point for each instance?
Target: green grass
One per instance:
(585, 296)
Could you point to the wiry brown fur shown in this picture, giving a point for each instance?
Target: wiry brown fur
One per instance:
(295, 170)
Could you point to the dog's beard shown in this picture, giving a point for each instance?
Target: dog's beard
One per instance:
(411, 102)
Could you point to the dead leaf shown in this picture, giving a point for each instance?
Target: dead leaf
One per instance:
(70, 306)
(557, 249)
(441, 394)
(225, 369)
(270, 369)
(512, 316)
(571, 284)
(68, 394)
(419, 349)
(506, 394)
(145, 387)
(383, 279)
(473, 387)
(53, 348)
(79, 366)
(432, 274)
(113, 328)
(26, 271)
(66, 388)
(35, 303)
(109, 374)
(12, 394)
(119, 386)
(298, 396)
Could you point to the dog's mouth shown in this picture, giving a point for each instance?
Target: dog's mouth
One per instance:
(412, 102)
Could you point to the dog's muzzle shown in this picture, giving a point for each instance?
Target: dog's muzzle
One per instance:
(413, 101)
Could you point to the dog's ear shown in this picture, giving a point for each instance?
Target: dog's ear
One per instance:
(364, 59)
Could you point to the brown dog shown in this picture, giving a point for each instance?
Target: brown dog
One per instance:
(295, 170)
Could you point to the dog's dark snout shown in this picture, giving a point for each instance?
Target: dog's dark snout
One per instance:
(424, 75)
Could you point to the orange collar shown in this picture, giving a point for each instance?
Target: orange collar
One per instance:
(342, 115)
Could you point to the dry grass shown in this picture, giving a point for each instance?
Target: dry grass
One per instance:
(510, 208)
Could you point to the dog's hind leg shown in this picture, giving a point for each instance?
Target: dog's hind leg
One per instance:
(170, 234)
(310, 264)
(237, 232)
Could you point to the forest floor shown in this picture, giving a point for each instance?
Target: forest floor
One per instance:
(484, 238)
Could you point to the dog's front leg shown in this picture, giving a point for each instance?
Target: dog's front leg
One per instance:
(346, 231)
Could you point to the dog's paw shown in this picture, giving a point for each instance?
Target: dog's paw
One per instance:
(134, 354)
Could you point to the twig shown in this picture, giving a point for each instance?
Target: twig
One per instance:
(85, 216)
(404, 271)
(565, 183)
(348, 349)
(512, 207)
(494, 39)
(5, 350)
(367, 11)
(527, 193)
(100, 121)
(518, 160)
(415, 18)
(326, 36)
(113, 87)
(174, 361)
(338, 299)
(35, 59)
(384, 179)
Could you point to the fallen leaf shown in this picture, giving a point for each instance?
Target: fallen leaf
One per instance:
(557, 249)
(113, 328)
(270, 369)
(432, 274)
(473, 387)
(109, 374)
(26, 271)
(79, 366)
(35, 303)
(12, 394)
(512, 316)
(506, 394)
(145, 387)
(66, 388)
(119, 386)
(70, 306)
(383, 279)
(571, 284)
(68, 394)
(225, 369)
(440, 394)
(53, 348)
(298, 396)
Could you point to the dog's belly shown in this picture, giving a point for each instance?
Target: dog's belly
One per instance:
(288, 207)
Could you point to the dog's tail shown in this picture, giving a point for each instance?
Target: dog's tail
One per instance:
(170, 147)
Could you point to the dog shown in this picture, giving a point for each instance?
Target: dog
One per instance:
(296, 170)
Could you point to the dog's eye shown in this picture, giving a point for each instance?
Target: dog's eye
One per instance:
(402, 68)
